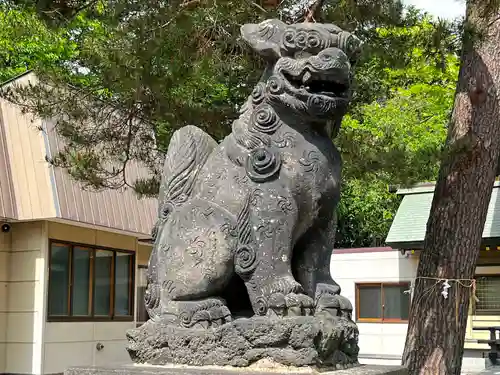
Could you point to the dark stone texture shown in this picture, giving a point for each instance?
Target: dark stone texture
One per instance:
(246, 227)
(181, 370)
(294, 341)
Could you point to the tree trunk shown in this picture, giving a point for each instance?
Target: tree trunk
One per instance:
(436, 329)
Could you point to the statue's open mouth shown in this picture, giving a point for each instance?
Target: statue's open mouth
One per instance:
(328, 85)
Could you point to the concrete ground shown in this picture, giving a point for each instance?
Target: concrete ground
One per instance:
(490, 371)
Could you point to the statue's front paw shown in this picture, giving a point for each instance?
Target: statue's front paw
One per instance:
(326, 288)
(292, 304)
(327, 300)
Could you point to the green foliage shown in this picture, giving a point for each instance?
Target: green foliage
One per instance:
(398, 140)
(365, 213)
(26, 43)
(173, 63)
(394, 140)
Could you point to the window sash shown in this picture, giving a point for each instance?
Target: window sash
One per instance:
(141, 311)
(480, 307)
(92, 284)
(382, 319)
(130, 285)
(90, 281)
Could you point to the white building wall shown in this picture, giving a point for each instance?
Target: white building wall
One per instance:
(74, 344)
(378, 342)
(383, 343)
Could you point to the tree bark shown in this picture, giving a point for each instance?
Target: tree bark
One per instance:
(436, 329)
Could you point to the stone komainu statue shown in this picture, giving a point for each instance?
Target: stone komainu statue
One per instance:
(246, 227)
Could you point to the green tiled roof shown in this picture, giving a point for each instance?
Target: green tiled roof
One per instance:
(410, 223)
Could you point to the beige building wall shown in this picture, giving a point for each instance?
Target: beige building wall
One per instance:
(28, 343)
(5, 241)
(143, 254)
(74, 343)
(22, 265)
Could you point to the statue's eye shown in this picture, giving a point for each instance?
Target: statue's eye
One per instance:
(326, 57)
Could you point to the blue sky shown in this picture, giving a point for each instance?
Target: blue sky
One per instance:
(440, 8)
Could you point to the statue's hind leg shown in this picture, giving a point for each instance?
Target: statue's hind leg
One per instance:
(188, 151)
(197, 265)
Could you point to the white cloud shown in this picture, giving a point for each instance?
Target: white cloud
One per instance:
(440, 8)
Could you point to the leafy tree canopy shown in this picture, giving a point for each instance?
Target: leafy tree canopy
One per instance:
(394, 140)
(172, 63)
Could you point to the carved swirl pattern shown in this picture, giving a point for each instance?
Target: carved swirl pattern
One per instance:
(265, 119)
(155, 230)
(245, 257)
(314, 40)
(245, 260)
(304, 39)
(275, 85)
(185, 319)
(263, 164)
(241, 180)
(206, 212)
(266, 229)
(286, 140)
(197, 311)
(349, 44)
(301, 39)
(256, 197)
(196, 249)
(229, 229)
(289, 38)
(152, 296)
(285, 205)
(258, 93)
(310, 161)
(261, 306)
(168, 286)
(168, 208)
(318, 104)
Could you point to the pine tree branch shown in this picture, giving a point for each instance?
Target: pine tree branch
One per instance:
(187, 4)
(314, 11)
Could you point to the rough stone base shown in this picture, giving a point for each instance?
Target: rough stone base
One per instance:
(295, 341)
(212, 370)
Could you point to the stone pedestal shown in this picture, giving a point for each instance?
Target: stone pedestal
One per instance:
(323, 341)
(214, 370)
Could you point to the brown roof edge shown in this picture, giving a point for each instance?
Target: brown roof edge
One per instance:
(146, 240)
(15, 78)
(99, 227)
(364, 250)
